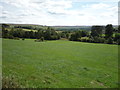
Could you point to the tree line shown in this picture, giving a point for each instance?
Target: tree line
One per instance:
(98, 34)
(12, 33)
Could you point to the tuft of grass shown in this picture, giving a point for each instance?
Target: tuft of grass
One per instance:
(10, 82)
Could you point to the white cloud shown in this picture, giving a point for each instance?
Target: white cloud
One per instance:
(100, 6)
(95, 0)
(58, 12)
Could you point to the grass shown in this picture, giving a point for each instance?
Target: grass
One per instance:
(30, 30)
(0, 63)
(59, 64)
(23, 29)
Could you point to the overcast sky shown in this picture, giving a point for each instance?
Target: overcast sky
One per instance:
(59, 12)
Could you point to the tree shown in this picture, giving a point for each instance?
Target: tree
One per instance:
(75, 36)
(117, 38)
(108, 31)
(31, 34)
(67, 35)
(51, 34)
(109, 41)
(84, 33)
(119, 29)
(96, 31)
(4, 32)
(47, 34)
(5, 25)
(72, 37)
(42, 39)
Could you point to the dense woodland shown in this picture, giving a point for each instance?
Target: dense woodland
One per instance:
(97, 34)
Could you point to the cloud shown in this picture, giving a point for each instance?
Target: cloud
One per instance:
(3, 17)
(59, 12)
(95, 0)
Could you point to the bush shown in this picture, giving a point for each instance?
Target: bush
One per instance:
(11, 37)
(117, 38)
(109, 41)
(84, 39)
(23, 38)
(16, 38)
(54, 37)
(42, 38)
(118, 42)
(38, 40)
(98, 40)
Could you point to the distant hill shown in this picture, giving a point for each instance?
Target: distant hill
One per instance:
(72, 28)
(58, 28)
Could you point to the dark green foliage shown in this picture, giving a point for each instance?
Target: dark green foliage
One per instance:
(33, 27)
(5, 25)
(109, 41)
(75, 36)
(47, 34)
(118, 41)
(84, 39)
(39, 40)
(16, 38)
(39, 34)
(0, 33)
(108, 31)
(42, 38)
(118, 28)
(98, 40)
(4, 33)
(84, 33)
(97, 34)
(51, 34)
(92, 39)
(117, 36)
(96, 31)
(65, 34)
(23, 38)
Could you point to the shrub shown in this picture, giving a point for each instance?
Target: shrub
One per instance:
(118, 42)
(11, 37)
(109, 41)
(16, 38)
(73, 37)
(38, 40)
(98, 40)
(42, 38)
(23, 38)
(117, 37)
(54, 37)
(84, 39)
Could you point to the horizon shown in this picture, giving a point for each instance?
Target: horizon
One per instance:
(56, 25)
(60, 13)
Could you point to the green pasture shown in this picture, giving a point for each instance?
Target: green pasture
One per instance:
(59, 64)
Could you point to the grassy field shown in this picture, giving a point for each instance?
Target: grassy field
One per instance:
(59, 64)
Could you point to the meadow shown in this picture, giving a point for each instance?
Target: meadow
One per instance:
(59, 64)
